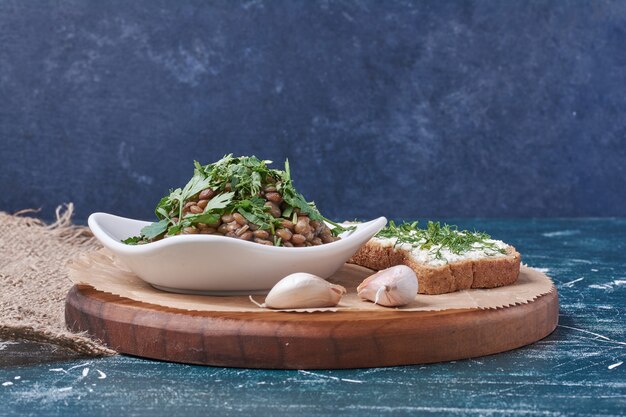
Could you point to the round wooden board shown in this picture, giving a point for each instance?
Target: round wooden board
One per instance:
(279, 340)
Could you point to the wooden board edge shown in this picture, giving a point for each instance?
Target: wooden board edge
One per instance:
(224, 340)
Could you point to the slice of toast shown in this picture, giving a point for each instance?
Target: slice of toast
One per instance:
(462, 274)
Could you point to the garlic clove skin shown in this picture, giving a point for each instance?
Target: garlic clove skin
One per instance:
(302, 290)
(391, 287)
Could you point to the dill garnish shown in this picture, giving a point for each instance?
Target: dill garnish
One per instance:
(436, 237)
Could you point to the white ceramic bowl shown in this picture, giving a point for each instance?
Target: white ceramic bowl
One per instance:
(211, 264)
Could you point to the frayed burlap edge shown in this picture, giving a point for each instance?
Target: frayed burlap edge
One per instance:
(80, 237)
(76, 342)
(62, 227)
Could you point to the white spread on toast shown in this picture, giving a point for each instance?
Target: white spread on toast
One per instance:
(445, 256)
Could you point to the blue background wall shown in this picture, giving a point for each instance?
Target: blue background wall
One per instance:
(455, 108)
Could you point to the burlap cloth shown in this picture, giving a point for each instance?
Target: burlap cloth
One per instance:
(34, 280)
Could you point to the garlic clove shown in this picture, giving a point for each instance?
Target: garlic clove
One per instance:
(391, 287)
(302, 290)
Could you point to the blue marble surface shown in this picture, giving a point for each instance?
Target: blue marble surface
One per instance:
(580, 369)
(402, 108)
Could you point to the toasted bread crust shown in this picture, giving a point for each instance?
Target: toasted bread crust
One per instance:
(488, 272)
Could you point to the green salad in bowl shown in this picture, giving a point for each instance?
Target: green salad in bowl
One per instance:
(242, 198)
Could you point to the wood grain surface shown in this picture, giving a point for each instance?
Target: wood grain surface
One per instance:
(276, 340)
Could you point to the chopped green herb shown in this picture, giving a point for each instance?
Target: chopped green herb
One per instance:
(155, 229)
(219, 202)
(134, 240)
(237, 184)
(339, 228)
(436, 237)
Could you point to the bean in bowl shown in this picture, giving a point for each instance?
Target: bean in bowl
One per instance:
(241, 198)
